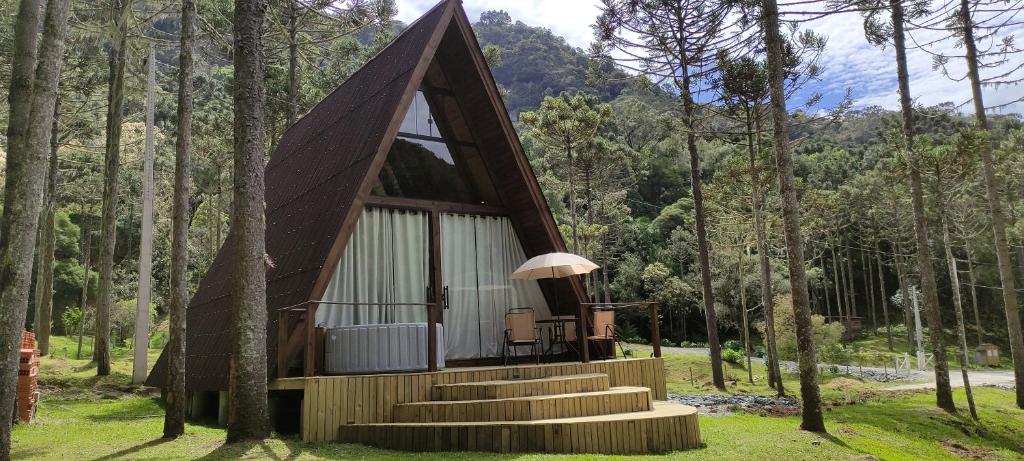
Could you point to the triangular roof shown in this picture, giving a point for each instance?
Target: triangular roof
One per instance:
(325, 165)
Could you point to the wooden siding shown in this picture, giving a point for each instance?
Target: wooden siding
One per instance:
(332, 401)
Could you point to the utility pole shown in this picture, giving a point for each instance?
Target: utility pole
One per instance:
(139, 366)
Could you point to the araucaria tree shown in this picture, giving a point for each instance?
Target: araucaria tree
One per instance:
(812, 419)
(174, 418)
(35, 73)
(880, 32)
(999, 20)
(567, 124)
(247, 413)
(676, 42)
(111, 170)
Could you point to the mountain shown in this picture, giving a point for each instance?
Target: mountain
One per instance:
(536, 63)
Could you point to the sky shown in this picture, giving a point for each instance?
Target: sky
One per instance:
(849, 61)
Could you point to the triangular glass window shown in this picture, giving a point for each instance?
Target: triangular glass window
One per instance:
(422, 164)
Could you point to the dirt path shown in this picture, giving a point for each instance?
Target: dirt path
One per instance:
(1000, 378)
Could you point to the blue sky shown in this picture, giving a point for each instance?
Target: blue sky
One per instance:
(849, 61)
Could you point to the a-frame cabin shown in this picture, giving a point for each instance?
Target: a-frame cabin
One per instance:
(397, 209)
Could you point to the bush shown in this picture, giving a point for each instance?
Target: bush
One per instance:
(734, 344)
(827, 336)
(760, 352)
(732, 356)
(667, 343)
(692, 344)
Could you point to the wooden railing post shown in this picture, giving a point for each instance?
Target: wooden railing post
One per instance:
(282, 343)
(581, 333)
(432, 336)
(309, 364)
(655, 330)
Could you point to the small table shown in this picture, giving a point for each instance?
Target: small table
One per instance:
(557, 325)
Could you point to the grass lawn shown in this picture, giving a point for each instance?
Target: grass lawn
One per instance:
(875, 349)
(83, 420)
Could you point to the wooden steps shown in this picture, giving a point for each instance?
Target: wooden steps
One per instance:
(575, 413)
(614, 400)
(504, 389)
(666, 427)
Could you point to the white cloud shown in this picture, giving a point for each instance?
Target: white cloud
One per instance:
(849, 60)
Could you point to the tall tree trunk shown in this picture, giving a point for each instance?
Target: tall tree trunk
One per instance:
(943, 392)
(812, 419)
(746, 322)
(111, 170)
(851, 306)
(995, 207)
(869, 285)
(837, 284)
(901, 273)
(248, 417)
(573, 213)
(32, 99)
(174, 418)
(825, 290)
(884, 298)
(47, 245)
(700, 224)
(961, 330)
(86, 249)
(141, 344)
(293, 62)
(974, 293)
(756, 201)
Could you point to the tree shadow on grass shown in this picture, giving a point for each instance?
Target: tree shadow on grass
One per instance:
(127, 452)
(240, 449)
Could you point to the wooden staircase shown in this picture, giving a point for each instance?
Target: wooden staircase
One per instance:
(578, 413)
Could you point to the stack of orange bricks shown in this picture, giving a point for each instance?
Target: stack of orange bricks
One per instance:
(28, 375)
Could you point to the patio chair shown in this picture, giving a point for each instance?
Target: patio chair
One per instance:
(521, 330)
(604, 330)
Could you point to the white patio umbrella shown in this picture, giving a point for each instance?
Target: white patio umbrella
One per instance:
(553, 265)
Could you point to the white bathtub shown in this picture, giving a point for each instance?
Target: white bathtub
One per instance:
(379, 348)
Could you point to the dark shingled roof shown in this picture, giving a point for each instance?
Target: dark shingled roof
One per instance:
(327, 159)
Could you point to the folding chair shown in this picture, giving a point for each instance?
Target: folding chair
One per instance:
(604, 330)
(521, 330)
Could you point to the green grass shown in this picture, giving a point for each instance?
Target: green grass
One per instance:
(89, 423)
(875, 349)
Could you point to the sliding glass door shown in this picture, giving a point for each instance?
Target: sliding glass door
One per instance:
(478, 255)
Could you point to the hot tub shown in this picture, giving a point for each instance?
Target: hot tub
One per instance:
(379, 348)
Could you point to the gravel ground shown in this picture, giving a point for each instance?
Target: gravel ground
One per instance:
(726, 404)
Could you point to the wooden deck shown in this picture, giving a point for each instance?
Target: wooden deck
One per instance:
(531, 404)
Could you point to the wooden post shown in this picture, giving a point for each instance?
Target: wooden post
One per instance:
(581, 333)
(655, 331)
(282, 343)
(309, 365)
(432, 336)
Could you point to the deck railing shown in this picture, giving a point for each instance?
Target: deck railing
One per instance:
(284, 332)
(309, 308)
(652, 309)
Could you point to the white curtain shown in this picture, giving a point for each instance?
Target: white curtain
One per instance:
(478, 255)
(386, 261)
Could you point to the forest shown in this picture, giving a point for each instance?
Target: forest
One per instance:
(664, 163)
